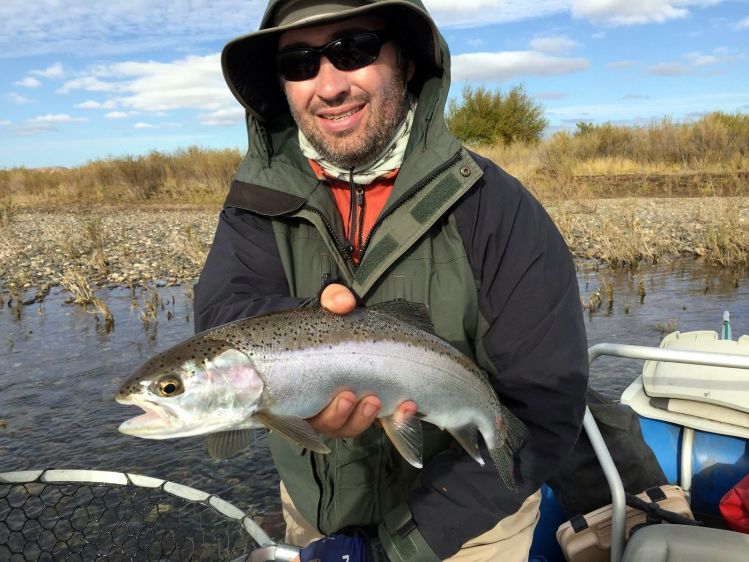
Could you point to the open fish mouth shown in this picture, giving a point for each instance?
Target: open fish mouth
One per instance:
(150, 424)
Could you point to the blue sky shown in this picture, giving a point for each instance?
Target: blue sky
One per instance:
(86, 80)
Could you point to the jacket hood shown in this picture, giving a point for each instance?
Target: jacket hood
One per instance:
(248, 62)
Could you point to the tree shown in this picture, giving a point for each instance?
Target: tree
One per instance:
(487, 117)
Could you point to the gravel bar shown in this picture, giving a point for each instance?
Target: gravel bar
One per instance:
(125, 247)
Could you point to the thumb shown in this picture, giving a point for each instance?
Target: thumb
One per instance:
(338, 299)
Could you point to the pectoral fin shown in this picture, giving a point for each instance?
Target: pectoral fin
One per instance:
(468, 438)
(226, 444)
(295, 429)
(405, 434)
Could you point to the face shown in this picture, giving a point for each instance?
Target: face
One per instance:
(349, 117)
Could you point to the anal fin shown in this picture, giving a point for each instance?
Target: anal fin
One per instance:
(295, 429)
(406, 435)
(226, 444)
(468, 438)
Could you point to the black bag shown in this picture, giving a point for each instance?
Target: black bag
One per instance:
(580, 485)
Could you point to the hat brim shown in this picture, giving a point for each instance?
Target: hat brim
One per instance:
(248, 62)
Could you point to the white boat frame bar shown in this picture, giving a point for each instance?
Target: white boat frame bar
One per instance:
(618, 501)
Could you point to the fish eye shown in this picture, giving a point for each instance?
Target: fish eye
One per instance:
(168, 386)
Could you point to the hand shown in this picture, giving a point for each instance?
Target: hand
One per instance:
(354, 544)
(346, 416)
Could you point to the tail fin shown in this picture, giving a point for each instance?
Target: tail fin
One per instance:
(511, 434)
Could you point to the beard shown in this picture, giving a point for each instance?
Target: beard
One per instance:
(353, 148)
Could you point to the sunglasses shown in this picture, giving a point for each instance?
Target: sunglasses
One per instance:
(347, 53)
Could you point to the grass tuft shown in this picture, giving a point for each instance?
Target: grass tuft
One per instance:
(83, 295)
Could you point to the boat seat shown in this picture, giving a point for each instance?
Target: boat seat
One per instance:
(684, 543)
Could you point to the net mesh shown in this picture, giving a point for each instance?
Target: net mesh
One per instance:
(43, 521)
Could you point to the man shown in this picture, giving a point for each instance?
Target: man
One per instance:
(353, 189)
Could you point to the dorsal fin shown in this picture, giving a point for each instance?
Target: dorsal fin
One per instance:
(413, 313)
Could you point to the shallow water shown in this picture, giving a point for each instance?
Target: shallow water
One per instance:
(59, 371)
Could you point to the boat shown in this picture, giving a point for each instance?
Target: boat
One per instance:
(692, 401)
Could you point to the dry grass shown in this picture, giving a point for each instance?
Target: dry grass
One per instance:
(190, 176)
(700, 158)
(727, 235)
(152, 304)
(83, 295)
(625, 244)
(8, 210)
(193, 248)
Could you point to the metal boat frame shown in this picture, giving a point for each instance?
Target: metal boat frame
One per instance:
(596, 440)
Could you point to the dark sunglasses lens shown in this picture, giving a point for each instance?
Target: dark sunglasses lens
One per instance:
(354, 52)
(348, 53)
(299, 64)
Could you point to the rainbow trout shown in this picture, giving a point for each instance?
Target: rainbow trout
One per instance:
(274, 370)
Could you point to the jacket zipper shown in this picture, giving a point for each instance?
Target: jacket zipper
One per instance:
(360, 203)
(406, 196)
(352, 213)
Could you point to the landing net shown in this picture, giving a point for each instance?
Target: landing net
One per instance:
(82, 515)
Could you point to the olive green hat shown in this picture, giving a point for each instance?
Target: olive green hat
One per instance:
(248, 61)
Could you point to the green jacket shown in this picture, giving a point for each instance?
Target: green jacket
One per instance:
(458, 235)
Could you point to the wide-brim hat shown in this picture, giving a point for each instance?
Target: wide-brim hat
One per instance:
(248, 61)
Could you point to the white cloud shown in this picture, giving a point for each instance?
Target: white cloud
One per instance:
(189, 83)
(44, 124)
(28, 82)
(118, 28)
(621, 64)
(5, 122)
(696, 60)
(651, 108)
(142, 125)
(91, 104)
(18, 99)
(743, 24)
(116, 115)
(668, 69)
(55, 118)
(632, 12)
(553, 44)
(508, 65)
(223, 117)
(31, 129)
(88, 83)
(51, 72)
(719, 56)
(107, 28)
(699, 59)
(473, 13)
(551, 95)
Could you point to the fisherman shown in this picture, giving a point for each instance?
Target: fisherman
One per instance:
(353, 192)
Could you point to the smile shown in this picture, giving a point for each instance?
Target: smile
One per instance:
(340, 116)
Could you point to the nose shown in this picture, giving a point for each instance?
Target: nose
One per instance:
(331, 82)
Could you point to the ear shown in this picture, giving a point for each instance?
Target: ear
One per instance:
(410, 70)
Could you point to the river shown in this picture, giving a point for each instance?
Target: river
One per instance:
(59, 370)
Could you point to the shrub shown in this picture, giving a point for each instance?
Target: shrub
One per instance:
(485, 117)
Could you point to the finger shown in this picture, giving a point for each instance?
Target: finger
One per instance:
(334, 415)
(338, 298)
(406, 409)
(361, 418)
